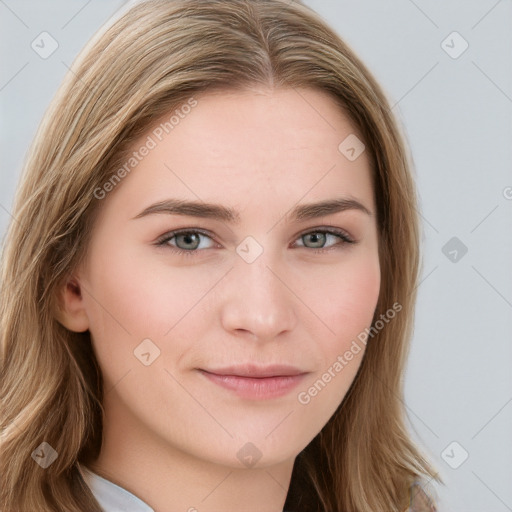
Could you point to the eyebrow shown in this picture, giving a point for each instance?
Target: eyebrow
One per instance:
(222, 213)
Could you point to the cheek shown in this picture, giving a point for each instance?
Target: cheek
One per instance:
(133, 297)
(346, 306)
(346, 298)
(354, 297)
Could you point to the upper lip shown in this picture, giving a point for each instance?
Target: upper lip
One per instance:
(251, 370)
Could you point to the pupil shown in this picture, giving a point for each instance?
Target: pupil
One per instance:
(317, 239)
(189, 239)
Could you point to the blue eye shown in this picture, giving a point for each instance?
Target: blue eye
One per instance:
(190, 241)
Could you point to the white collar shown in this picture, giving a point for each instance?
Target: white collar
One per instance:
(112, 497)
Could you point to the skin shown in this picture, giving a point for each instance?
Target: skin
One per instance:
(171, 436)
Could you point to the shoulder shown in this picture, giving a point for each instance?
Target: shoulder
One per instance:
(422, 498)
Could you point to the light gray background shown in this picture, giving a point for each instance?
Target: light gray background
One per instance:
(457, 114)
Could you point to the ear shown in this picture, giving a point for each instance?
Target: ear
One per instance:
(70, 310)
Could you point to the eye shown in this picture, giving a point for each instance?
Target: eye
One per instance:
(324, 239)
(186, 241)
(190, 241)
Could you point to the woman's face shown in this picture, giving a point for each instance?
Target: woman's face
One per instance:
(235, 340)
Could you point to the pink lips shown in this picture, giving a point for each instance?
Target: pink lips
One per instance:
(257, 383)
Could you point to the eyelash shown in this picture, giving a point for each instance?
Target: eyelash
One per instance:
(164, 239)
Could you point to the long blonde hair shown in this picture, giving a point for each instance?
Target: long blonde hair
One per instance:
(151, 60)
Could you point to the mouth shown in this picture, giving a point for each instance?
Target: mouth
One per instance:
(257, 372)
(256, 382)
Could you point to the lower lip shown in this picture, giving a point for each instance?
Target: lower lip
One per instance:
(256, 388)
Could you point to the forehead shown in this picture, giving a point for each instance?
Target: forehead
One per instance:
(248, 147)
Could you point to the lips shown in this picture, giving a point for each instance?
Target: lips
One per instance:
(257, 372)
(252, 382)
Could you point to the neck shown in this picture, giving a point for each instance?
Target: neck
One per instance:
(170, 480)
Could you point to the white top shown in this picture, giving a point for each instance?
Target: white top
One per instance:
(111, 497)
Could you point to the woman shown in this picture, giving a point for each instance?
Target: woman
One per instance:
(208, 291)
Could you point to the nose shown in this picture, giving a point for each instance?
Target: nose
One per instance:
(255, 303)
